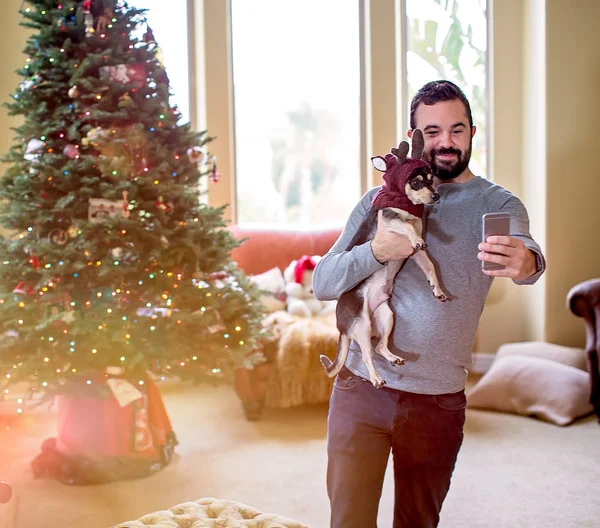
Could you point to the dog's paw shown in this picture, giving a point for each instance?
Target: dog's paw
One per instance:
(378, 383)
(420, 245)
(397, 361)
(442, 297)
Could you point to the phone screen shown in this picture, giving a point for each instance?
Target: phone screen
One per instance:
(494, 224)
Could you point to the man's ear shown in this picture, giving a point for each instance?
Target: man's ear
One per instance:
(473, 130)
(409, 133)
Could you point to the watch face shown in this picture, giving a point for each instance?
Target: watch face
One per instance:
(538, 263)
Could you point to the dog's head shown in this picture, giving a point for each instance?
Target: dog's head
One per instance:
(405, 176)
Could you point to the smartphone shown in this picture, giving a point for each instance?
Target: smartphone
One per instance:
(494, 224)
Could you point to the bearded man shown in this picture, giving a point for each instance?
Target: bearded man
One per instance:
(419, 415)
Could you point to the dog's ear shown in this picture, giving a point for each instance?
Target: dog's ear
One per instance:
(418, 144)
(401, 152)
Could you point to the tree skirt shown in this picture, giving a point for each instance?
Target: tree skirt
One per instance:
(101, 440)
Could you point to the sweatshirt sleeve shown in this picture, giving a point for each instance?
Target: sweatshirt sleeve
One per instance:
(342, 269)
(519, 228)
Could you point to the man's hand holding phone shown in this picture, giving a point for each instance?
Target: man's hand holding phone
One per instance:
(501, 254)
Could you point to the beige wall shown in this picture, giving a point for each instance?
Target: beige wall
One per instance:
(544, 142)
(573, 170)
(12, 42)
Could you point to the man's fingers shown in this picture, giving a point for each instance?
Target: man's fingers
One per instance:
(497, 248)
(503, 240)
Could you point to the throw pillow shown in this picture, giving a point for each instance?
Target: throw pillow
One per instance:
(273, 286)
(574, 357)
(532, 386)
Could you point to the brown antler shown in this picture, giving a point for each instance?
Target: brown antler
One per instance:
(418, 143)
(401, 152)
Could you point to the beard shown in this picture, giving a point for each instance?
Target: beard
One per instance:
(446, 170)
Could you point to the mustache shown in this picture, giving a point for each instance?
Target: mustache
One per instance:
(448, 150)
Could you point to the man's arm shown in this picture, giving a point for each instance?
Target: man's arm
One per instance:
(340, 270)
(520, 253)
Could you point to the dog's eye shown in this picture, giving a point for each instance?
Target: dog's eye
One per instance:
(416, 184)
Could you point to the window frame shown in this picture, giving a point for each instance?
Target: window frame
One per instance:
(383, 105)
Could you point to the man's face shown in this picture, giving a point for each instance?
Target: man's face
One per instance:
(448, 137)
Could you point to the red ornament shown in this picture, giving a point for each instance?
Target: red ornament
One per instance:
(35, 262)
(214, 174)
(24, 289)
(71, 152)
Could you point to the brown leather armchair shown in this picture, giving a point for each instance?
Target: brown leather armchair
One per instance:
(584, 301)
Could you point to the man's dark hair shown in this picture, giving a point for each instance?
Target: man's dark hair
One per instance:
(435, 92)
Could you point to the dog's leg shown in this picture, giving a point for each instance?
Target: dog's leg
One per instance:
(365, 347)
(408, 229)
(424, 262)
(384, 322)
(361, 333)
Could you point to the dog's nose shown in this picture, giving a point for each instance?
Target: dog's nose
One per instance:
(435, 196)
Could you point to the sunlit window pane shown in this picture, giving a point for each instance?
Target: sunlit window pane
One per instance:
(448, 40)
(296, 76)
(168, 21)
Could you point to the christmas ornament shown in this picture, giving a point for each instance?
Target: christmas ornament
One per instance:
(125, 212)
(29, 82)
(100, 209)
(214, 173)
(35, 262)
(73, 92)
(104, 20)
(58, 236)
(164, 242)
(117, 253)
(34, 149)
(125, 99)
(72, 231)
(124, 73)
(71, 152)
(165, 207)
(95, 136)
(197, 155)
(24, 289)
(88, 18)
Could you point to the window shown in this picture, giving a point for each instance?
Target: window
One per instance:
(447, 39)
(296, 92)
(168, 21)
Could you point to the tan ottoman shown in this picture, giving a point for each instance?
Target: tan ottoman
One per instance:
(212, 513)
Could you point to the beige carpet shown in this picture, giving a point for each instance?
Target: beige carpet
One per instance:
(512, 471)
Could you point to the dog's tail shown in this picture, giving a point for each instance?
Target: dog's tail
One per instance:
(333, 367)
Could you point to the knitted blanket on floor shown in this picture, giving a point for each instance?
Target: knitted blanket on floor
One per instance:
(297, 375)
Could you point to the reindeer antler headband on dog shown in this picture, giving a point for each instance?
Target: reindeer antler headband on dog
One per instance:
(397, 169)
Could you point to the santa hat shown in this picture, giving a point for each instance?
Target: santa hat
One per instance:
(304, 263)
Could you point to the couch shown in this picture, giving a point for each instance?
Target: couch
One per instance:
(584, 301)
(263, 250)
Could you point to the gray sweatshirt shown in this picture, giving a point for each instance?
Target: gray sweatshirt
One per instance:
(436, 339)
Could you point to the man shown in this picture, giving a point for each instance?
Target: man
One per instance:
(419, 414)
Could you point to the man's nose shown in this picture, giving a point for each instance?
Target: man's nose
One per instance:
(446, 139)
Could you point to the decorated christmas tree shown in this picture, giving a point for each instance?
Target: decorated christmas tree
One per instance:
(111, 263)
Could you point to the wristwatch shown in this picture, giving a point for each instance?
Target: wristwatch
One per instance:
(539, 263)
